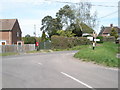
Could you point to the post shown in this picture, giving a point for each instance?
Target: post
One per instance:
(37, 45)
(94, 42)
(93, 45)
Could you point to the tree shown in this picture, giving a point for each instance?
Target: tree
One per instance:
(66, 33)
(75, 29)
(66, 15)
(77, 18)
(29, 40)
(50, 25)
(83, 14)
(72, 18)
(114, 33)
(44, 37)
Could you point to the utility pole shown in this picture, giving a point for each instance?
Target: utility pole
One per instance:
(35, 30)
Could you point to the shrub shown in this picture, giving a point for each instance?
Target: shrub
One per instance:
(101, 39)
(109, 39)
(61, 42)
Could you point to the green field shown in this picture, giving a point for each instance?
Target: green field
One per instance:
(104, 54)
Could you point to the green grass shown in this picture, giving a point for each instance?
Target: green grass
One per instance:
(119, 48)
(81, 47)
(8, 54)
(104, 54)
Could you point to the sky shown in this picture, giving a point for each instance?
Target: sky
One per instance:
(30, 12)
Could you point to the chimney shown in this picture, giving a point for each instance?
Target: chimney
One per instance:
(111, 25)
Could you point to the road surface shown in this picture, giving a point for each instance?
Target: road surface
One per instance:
(55, 70)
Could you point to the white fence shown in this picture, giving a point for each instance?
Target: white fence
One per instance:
(17, 48)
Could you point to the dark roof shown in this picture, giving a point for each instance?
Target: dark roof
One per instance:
(86, 28)
(7, 24)
(107, 30)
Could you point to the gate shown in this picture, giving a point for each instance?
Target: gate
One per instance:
(45, 45)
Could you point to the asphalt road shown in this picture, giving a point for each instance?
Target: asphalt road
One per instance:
(55, 70)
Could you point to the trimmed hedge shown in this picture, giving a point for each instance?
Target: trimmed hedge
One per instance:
(109, 39)
(101, 39)
(105, 39)
(61, 42)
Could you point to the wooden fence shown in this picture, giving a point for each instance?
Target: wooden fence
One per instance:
(17, 48)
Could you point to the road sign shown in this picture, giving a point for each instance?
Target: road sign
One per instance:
(96, 39)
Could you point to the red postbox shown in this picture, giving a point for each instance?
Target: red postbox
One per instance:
(37, 43)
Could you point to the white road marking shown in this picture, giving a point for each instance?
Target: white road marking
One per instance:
(77, 80)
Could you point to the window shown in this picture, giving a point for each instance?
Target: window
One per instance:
(17, 34)
(3, 43)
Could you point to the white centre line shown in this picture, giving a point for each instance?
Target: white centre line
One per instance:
(77, 80)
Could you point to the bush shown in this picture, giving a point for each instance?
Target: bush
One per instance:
(101, 39)
(109, 39)
(61, 42)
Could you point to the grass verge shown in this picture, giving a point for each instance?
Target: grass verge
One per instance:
(8, 54)
(104, 54)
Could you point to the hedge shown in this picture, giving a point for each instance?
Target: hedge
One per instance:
(61, 42)
(105, 39)
(109, 39)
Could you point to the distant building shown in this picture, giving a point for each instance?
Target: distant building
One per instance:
(10, 31)
(105, 31)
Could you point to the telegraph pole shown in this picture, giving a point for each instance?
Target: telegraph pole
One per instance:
(35, 30)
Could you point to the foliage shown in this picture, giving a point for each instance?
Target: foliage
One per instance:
(66, 15)
(83, 14)
(29, 40)
(114, 33)
(61, 42)
(119, 48)
(50, 25)
(78, 19)
(75, 29)
(101, 39)
(79, 31)
(44, 37)
(104, 54)
(38, 39)
(66, 33)
(109, 39)
(86, 28)
(79, 47)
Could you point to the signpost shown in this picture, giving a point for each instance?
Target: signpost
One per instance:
(94, 39)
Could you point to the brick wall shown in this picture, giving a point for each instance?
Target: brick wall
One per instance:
(6, 35)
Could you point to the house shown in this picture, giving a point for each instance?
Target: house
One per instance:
(86, 30)
(105, 31)
(10, 31)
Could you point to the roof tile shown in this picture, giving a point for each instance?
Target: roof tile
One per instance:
(7, 24)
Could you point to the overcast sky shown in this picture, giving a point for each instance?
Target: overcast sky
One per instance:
(31, 12)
